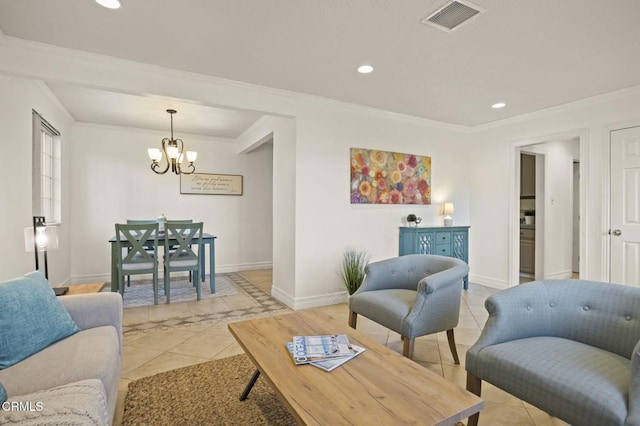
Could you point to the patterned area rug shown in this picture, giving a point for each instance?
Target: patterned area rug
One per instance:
(265, 305)
(204, 394)
(140, 293)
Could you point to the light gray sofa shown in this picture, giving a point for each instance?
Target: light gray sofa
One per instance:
(75, 380)
(569, 347)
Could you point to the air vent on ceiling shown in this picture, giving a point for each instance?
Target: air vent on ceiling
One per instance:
(452, 15)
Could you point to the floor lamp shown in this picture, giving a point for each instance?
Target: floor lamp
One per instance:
(41, 238)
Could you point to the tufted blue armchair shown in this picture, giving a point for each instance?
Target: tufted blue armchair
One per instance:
(413, 295)
(569, 347)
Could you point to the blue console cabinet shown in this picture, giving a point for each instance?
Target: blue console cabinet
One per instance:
(452, 241)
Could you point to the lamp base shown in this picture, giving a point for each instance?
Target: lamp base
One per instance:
(59, 291)
(448, 221)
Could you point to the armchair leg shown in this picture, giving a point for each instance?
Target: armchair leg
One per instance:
(408, 346)
(452, 346)
(474, 386)
(353, 318)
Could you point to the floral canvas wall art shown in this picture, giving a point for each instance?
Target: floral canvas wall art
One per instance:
(381, 177)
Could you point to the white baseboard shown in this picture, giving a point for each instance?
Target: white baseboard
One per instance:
(488, 282)
(311, 301)
(559, 275)
(282, 297)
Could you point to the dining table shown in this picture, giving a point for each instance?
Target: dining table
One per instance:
(207, 239)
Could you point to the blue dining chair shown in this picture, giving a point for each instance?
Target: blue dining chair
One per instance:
(179, 240)
(137, 258)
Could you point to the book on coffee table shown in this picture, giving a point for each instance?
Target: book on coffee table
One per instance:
(330, 364)
(315, 348)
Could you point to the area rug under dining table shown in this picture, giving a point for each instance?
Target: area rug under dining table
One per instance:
(140, 292)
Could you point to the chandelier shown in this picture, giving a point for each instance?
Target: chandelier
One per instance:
(173, 150)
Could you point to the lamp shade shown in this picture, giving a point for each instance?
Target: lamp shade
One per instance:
(448, 209)
(46, 238)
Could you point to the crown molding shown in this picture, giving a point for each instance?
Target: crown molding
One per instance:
(566, 107)
(155, 133)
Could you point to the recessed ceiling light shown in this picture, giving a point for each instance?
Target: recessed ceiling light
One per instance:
(109, 4)
(498, 105)
(365, 69)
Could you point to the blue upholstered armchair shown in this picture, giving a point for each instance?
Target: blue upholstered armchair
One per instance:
(413, 295)
(569, 347)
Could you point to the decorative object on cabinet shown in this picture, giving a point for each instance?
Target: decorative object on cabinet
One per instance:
(447, 211)
(452, 241)
(352, 268)
(211, 184)
(413, 219)
(529, 217)
(380, 177)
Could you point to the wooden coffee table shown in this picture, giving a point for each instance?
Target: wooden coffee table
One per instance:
(379, 386)
(84, 288)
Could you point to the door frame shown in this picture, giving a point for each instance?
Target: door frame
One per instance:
(606, 192)
(513, 266)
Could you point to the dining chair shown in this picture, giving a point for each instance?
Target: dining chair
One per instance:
(178, 252)
(138, 258)
(147, 246)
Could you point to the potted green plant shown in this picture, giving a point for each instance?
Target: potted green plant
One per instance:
(352, 268)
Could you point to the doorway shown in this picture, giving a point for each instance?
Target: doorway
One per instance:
(553, 240)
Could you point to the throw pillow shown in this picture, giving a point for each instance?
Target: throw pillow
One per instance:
(3, 394)
(31, 318)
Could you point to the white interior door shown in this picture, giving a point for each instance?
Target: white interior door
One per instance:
(625, 206)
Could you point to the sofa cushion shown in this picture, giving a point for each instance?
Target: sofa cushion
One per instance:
(78, 403)
(588, 385)
(3, 394)
(89, 354)
(31, 318)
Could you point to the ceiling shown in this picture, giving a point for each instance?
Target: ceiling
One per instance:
(531, 54)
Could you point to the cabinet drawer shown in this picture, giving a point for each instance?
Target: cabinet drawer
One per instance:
(528, 234)
(443, 249)
(443, 237)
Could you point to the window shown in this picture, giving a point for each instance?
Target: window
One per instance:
(47, 170)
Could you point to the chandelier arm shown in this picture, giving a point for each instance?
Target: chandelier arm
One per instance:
(193, 169)
(155, 166)
(178, 169)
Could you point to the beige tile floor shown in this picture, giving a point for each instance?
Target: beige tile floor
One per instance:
(146, 354)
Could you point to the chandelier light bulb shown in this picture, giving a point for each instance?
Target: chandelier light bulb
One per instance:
(109, 4)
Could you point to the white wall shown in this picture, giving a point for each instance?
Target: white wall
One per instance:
(113, 182)
(492, 151)
(326, 221)
(17, 98)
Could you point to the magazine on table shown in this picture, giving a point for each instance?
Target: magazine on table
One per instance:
(315, 348)
(330, 364)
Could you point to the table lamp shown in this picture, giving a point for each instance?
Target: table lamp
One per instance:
(448, 210)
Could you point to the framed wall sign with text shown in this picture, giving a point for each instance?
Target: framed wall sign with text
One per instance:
(211, 184)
